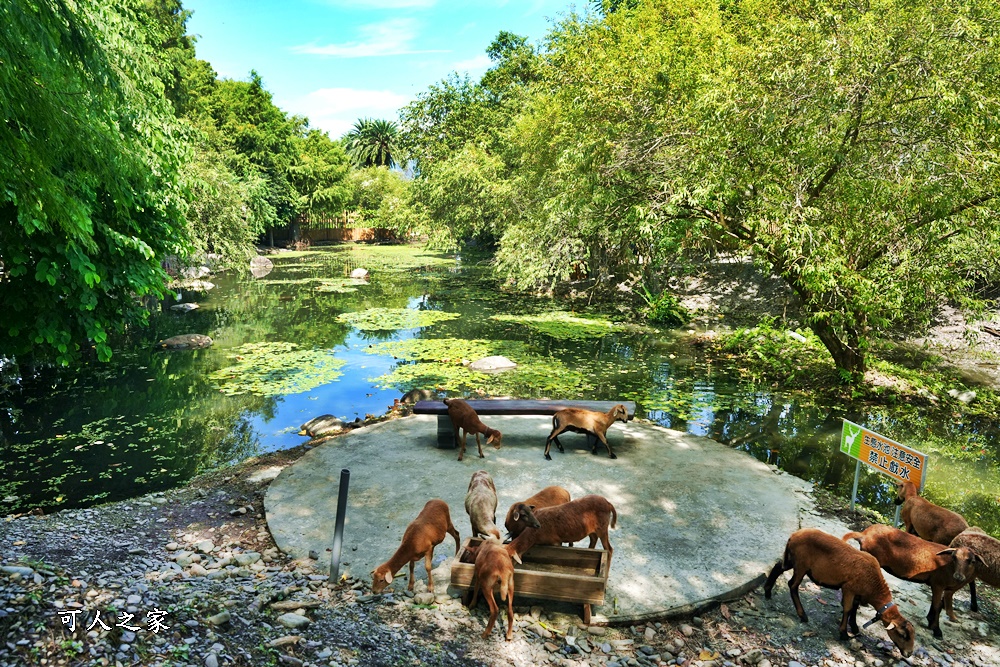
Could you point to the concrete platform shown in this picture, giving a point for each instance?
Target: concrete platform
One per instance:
(697, 521)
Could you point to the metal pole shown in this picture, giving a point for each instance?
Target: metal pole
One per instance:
(338, 528)
(857, 474)
(896, 521)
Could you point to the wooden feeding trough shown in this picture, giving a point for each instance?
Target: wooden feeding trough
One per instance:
(567, 574)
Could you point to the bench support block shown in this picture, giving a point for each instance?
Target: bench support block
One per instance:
(446, 433)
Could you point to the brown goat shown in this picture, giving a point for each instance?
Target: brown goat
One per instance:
(925, 519)
(550, 496)
(987, 570)
(494, 568)
(909, 557)
(465, 418)
(481, 504)
(589, 516)
(419, 539)
(589, 422)
(833, 563)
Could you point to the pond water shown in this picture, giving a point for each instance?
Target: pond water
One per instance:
(306, 340)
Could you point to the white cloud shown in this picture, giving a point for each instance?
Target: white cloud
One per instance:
(475, 65)
(389, 38)
(335, 110)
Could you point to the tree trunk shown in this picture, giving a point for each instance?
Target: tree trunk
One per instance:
(847, 354)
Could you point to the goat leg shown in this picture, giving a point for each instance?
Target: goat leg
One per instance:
(409, 586)
(934, 615)
(793, 590)
(480, 445)
(429, 565)
(974, 605)
(611, 454)
(776, 572)
(494, 610)
(460, 443)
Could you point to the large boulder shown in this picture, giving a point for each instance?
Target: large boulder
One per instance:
(494, 364)
(359, 273)
(322, 425)
(185, 342)
(415, 395)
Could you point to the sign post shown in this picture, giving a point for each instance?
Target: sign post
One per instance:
(886, 456)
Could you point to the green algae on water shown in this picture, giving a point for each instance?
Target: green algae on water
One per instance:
(392, 319)
(276, 369)
(567, 326)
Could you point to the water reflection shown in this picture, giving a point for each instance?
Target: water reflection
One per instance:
(149, 420)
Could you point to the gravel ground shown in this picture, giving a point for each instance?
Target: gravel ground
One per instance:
(203, 556)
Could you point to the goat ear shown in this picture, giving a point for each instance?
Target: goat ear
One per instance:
(516, 515)
(946, 552)
(388, 577)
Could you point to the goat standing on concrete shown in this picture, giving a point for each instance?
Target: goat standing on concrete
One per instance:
(925, 519)
(465, 418)
(550, 496)
(495, 568)
(908, 557)
(419, 539)
(589, 516)
(833, 563)
(481, 504)
(591, 423)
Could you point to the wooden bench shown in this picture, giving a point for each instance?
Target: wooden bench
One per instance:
(567, 574)
(508, 407)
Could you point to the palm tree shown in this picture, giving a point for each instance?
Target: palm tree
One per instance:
(372, 143)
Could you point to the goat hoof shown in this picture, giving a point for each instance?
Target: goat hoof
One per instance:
(612, 455)
(548, 458)
(938, 634)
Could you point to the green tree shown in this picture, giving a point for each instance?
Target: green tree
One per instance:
(263, 139)
(320, 175)
(382, 199)
(373, 143)
(847, 148)
(89, 157)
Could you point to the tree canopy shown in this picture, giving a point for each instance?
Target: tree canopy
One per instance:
(90, 162)
(849, 149)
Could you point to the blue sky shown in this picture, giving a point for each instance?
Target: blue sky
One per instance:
(336, 61)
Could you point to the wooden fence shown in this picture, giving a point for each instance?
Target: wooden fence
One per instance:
(332, 228)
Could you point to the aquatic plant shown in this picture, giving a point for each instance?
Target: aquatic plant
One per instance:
(392, 319)
(276, 369)
(567, 326)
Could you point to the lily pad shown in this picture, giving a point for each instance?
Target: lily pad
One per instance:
(340, 285)
(386, 319)
(563, 325)
(277, 369)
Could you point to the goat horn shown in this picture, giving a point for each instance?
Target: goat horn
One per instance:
(890, 626)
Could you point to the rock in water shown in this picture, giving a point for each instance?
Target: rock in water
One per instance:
(185, 342)
(495, 364)
(321, 425)
(415, 395)
(359, 273)
(260, 266)
(184, 307)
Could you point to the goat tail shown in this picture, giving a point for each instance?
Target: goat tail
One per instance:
(787, 561)
(447, 401)
(852, 536)
(614, 516)
(506, 587)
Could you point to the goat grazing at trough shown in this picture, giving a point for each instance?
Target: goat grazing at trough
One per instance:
(925, 519)
(588, 422)
(465, 418)
(494, 568)
(481, 504)
(908, 557)
(987, 548)
(550, 496)
(419, 539)
(589, 516)
(833, 563)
